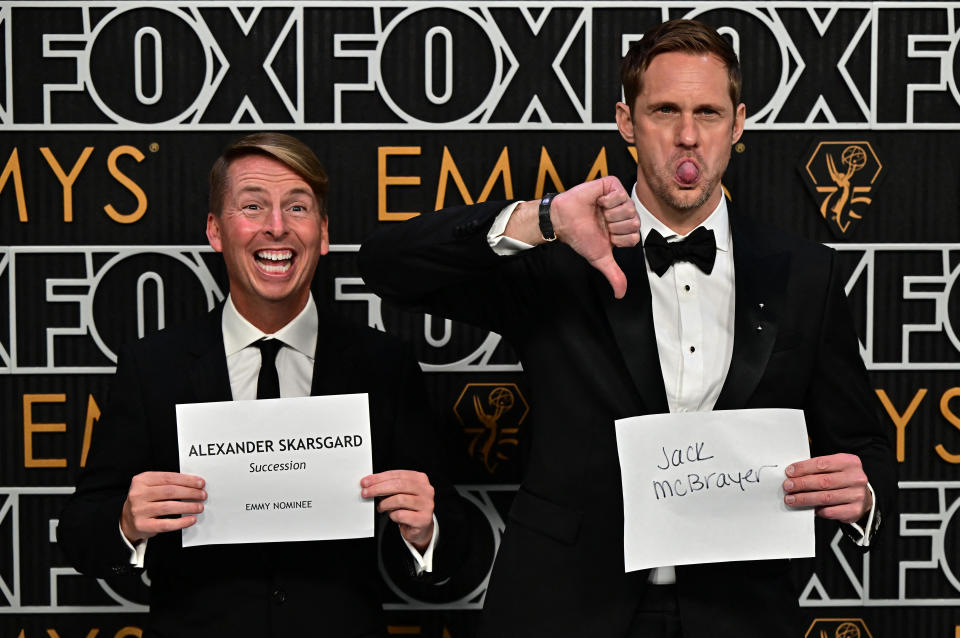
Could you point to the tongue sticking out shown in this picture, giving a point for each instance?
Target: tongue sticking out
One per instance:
(688, 173)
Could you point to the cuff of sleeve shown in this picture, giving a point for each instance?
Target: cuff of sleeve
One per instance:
(862, 535)
(137, 552)
(500, 244)
(424, 563)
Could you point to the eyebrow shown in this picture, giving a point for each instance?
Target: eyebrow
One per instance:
(292, 193)
(300, 191)
(252, 189)
(676, 105)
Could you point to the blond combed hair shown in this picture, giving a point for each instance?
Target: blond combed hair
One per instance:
(286, 149)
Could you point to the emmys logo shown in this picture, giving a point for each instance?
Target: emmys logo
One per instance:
(841, 177)
(491, 414)
(838, 628)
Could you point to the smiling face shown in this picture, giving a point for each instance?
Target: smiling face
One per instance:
(683, 124)
(271, 234)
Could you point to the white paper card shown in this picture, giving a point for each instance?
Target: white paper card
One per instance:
(278, 469)
(706, 487)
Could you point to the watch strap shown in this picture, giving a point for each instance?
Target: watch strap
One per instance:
(546, 226)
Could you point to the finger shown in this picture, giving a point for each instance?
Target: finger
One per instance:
(160, 525)
(816, 465)
(139, 500)
(405, 502)
(611, 184)
(142, 524)
(830, 481)
(145, 526)
(624, 227)
(607, 265)
(164, 508)
(624, 212)
(169, 478)
(625, 241)
(398, 486)
(391, 475)
(411, 519)
(169, 493)
(825, 498)
(614, 199)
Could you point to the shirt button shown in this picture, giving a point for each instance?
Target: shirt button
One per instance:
(693, 349)
(279, 596)
(686, 287)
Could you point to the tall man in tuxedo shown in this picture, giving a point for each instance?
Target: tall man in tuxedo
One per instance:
(268, 340)
(712, 312)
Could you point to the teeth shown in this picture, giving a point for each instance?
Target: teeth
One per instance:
(275, 255)
(275, 262)
(276, 268)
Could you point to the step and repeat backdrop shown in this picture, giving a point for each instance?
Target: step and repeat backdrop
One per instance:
(112, 113)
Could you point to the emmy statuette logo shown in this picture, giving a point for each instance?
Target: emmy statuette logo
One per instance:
(842, 177)
(491, 414)
(838, 628)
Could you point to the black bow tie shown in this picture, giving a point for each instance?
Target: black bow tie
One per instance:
(699, 248)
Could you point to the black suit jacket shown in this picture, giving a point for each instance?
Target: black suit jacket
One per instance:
(273, 589)
(590, 359)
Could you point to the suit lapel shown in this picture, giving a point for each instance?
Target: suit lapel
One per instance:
(631, 320)
(760, 279)
(332, 368)
(210, 381)
(208, 375)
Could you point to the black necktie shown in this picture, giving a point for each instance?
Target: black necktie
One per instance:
(268, 383)
(699, 248)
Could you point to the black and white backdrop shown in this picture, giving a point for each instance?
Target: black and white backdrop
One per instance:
(112, 112)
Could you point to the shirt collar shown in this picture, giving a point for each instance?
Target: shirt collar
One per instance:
(718, 221)
(300, 333)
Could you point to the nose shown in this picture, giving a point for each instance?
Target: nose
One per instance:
(275, 223)
(687, 133)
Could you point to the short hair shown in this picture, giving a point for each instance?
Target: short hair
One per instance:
(685, 36)
(286, 149)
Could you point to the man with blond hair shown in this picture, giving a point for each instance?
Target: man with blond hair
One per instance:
(270, 339)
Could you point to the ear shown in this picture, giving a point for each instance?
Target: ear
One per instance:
(213, 232)
(739, 120)
(625, 122)
(324, 236)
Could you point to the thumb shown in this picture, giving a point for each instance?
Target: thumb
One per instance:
(608, 266)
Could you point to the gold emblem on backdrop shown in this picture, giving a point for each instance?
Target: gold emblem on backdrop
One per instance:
(842, 177)
(491, 415)
(838, 628)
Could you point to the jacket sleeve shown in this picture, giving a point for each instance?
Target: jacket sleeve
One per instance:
(88, 530)
(441, 263)
(841, 403)
(417, 445)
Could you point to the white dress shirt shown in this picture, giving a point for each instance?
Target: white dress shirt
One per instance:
(294, 362)
(693, 321)
(693, 318)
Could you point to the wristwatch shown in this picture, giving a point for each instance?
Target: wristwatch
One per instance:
(546, 226)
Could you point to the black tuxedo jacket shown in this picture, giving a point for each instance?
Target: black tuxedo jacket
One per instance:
(329, 588)
(590, 359)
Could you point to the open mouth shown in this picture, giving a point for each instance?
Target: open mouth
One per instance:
(274, 262)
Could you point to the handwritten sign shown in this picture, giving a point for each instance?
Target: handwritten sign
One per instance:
(706, 487)
(278, 469)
